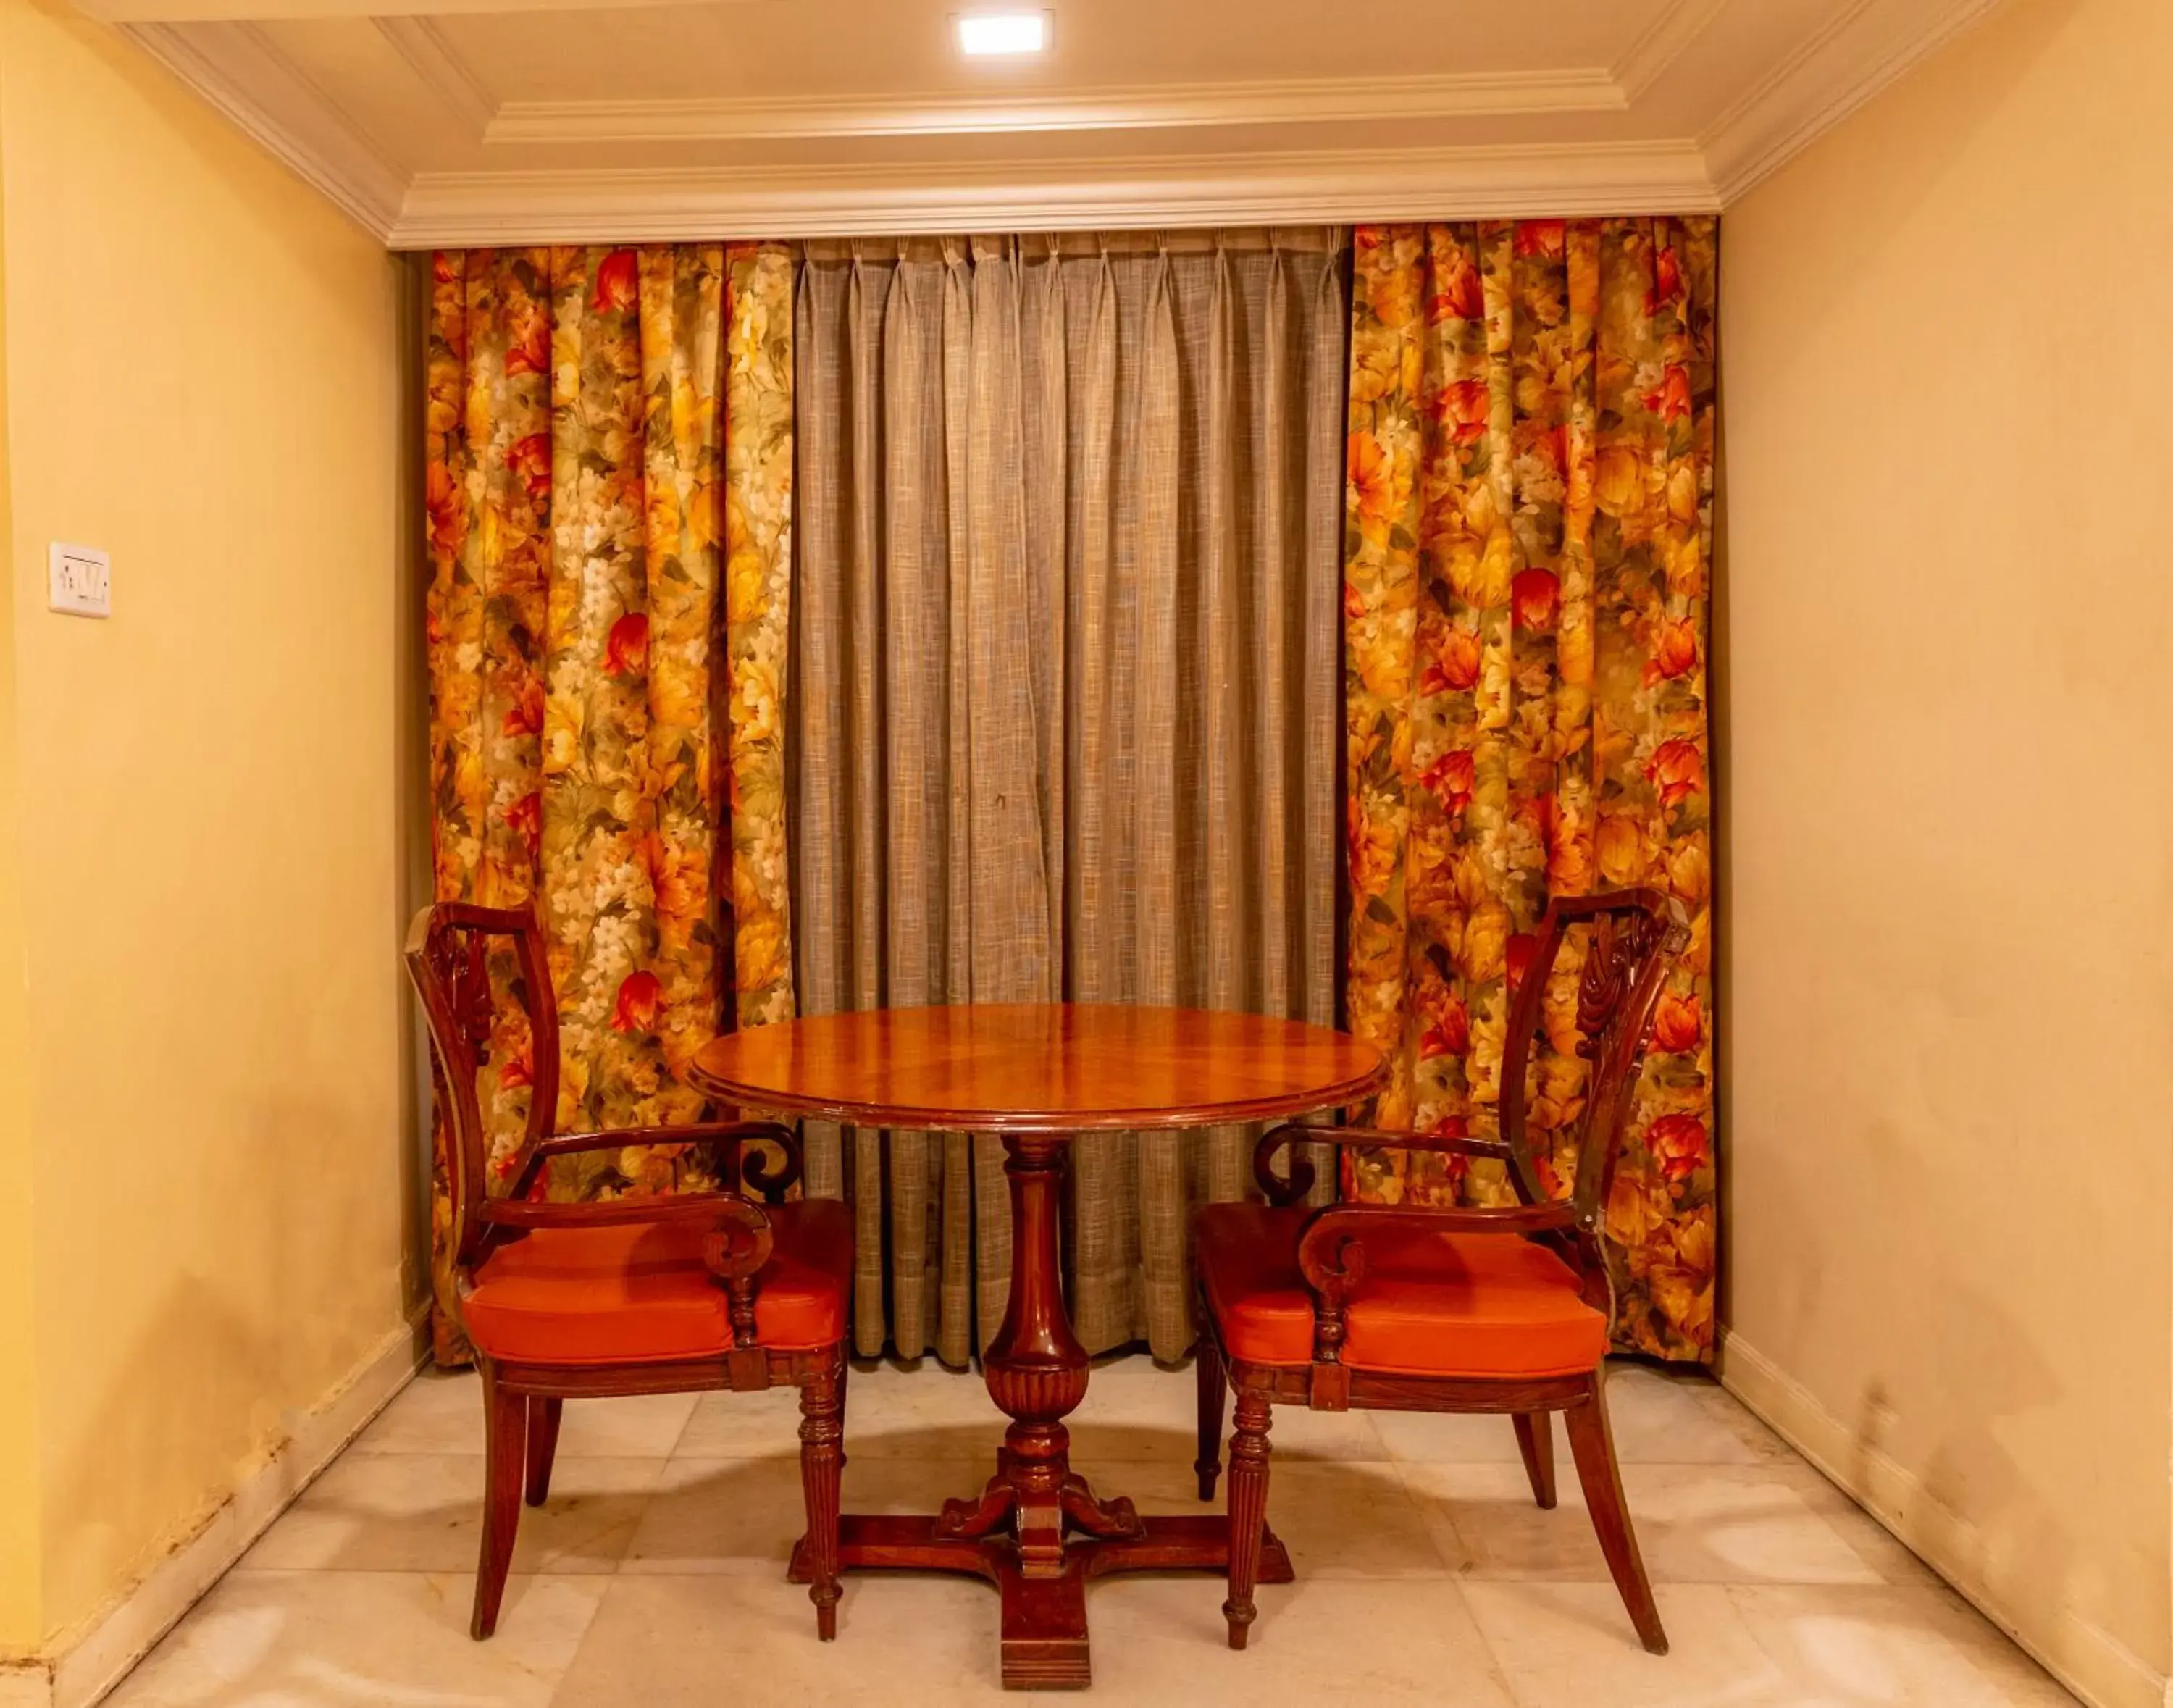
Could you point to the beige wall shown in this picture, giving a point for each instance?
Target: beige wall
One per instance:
(21, 1605)
(1948, 358)
(202, 376)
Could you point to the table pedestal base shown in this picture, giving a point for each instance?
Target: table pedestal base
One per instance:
(1037, 1531)
(1045, 1618)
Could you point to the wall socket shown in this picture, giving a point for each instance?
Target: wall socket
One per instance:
(82, 580)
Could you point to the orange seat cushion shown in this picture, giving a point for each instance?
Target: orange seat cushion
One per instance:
(638, 1292)
(1430, 1303)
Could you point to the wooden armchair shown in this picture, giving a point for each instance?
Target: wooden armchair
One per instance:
(624, 1295)
(1457, 1310)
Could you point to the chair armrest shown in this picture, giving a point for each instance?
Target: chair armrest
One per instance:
(738, 1240)
(1297, 1180)
(743, 1226)
(1331, 1249)
(737, 1133)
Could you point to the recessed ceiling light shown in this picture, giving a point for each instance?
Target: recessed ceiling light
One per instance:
(981, 34)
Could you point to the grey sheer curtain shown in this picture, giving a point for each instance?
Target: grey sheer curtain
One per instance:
(1066, 703)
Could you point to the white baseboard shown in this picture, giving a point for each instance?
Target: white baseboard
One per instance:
(2092, 1662)
(85, 1669)
(25, 1684)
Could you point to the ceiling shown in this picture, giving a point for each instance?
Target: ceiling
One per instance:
(456, 121)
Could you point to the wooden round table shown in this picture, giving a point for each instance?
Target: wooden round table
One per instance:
(1036, 1075)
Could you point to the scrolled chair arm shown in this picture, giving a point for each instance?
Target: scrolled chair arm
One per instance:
(738, 1135)
(1298, 1176)
(737, 1236)
(1331, 1251)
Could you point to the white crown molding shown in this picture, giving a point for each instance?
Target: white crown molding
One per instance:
(1860, 47)
(1662, 43)
(234, 67)
(1161, 106)
(1763, 100)
(1843, 64)
(633, 205)
(443, 72)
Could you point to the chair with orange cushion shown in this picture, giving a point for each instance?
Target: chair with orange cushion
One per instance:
(1454, 1310)
(624, 1295)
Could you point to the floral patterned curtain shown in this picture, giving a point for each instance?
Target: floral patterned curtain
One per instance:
(1529, 517)
(600, 422)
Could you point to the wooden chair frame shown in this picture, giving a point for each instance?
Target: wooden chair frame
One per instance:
(446, 959)
(1635, 934)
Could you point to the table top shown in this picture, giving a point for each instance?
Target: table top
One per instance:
(1046, 1068)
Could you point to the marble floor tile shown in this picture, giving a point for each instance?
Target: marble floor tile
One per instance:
(685, 1640)
(722, 1516)
(1901, 1643)
(1570, 1646)
(634, 1427)
(1161, 1641)
(1338, 1520)
(1734, 1415)
(654, 1577)
(424, 1513)
(745, 1514)
(912, 1639)
(756, 1425)
(364, 1639)
(922, 1411)
(1874, 1542)
(1695, 1524)
(891, 1412)
(1136, 1409)
(441, 1412)
(913, 1485)
(1658, 1419)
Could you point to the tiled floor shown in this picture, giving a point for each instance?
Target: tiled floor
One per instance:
(655, 1575)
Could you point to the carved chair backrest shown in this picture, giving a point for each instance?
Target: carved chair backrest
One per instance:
(459, 956)
(1635, 936)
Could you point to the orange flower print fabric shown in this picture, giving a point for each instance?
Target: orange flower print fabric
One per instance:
(1529, 519)
(757, 585)
(576, 491)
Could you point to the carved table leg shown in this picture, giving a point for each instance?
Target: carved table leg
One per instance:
(1038, 1531)
(1036, 1371)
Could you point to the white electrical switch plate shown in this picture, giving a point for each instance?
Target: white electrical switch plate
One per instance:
(82, 580)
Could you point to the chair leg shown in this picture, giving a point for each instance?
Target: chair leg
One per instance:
(1592, 1445)
(821, 1463)
(844, 1394)
(1248, 1509)
(505, 1434)
(1535, 1441)
(1214, 1391)
(542, 1445)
